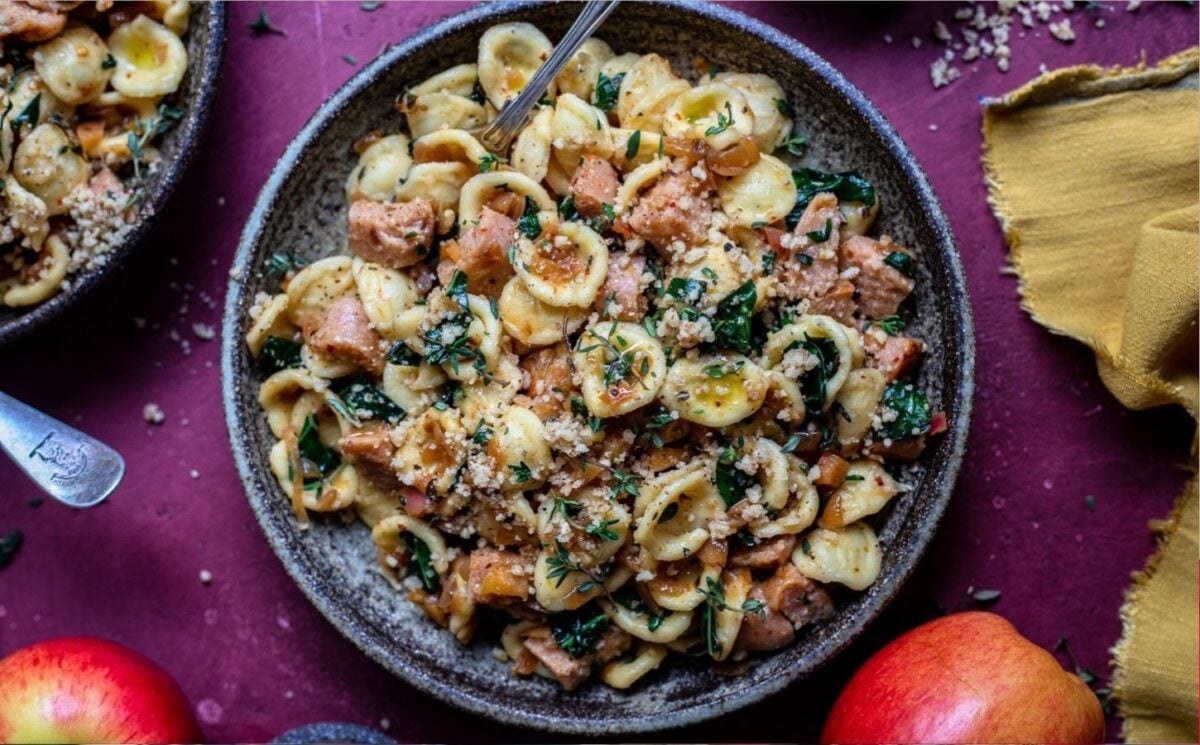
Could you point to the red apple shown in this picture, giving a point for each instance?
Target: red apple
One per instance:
(90, 690)
(966, 677)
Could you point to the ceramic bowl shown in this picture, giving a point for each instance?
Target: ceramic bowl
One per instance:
(302, 206)
(205, 42)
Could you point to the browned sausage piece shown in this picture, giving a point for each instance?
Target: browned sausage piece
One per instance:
(28, 23)
(673, 209)
(797, 597)
(593, 186)
(371, 450)
(622, 294)
(396, 235)
(895, 357)
(765, 554)
(345, 332)
(881, 287)
(481, 252)
(809, 268)
(567, 670)
(764, 630)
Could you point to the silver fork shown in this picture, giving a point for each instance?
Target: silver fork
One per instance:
(75, 469)
(516, 112)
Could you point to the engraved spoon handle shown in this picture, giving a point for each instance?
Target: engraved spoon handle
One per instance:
(514, 114)
(75, 469)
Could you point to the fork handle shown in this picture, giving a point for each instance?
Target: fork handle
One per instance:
(514, 114)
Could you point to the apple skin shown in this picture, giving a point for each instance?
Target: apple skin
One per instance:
(81, 689)
(966, 677)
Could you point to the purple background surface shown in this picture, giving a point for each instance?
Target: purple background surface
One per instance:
(256, 659)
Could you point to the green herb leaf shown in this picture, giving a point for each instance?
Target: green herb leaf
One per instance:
(604, 531)
(477, 94)
(732, 482)
(633, 144)
(783, 107)
(370, 5)
(349, 59)
(366, 401)
(911, 408)
(689, 293)
(29, 115)
(424, 560)
(797, 145)
(109, 62)
(529, 225)
(902, 263)
(607, 90)
(723, 122)
(566, 209)
(323, 460)
(521, 472)
(891, 325)
(578, 632)
(820, 236)
(10, 544)
(847, 187)
(279, 353)
(768, 263)
(489, 162)
(735, 312)
(282, 263)
(262, 25)
(401, 354)
(1090, 502)
(813, 382)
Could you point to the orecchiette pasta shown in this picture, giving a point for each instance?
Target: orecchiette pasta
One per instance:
(633, 380)
(716, 113)
(382, 167)
(509, 55)
(714, 390)
(151, 59)
(621, 368)
(849, 556)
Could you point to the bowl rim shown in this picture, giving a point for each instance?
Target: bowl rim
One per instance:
(353, 627)
(192, 129)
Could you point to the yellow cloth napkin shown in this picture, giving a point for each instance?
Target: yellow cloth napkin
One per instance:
(1093, 174)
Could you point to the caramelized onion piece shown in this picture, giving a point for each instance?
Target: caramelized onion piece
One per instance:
(734, 159)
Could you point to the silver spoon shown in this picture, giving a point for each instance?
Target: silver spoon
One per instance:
(75, 469)
(515, 113)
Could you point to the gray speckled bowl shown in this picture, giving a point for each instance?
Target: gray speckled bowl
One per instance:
(206, 48)
(302, 207)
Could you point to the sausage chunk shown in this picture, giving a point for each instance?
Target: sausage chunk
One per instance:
(396, 235)
(550, 383)
(765, 630)
(765, 554)
(371, 451)
(345, 332)
(622, 294)
(881, 287)
(798, 598)
(808, 268)
(29, 23)
(673, 209)
(594, 185)
(838, 303)
(482, 254)
(895, 357)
